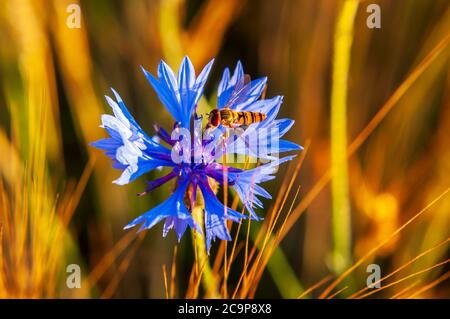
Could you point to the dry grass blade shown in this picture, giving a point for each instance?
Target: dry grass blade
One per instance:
(267, 230)
(337, 292)
(370, 127)
(432, 284)
(381, 244)
(396, 96)
(164, 270)
(173, 272)
(315, 286)
(399, 294)
(123, 266)
(193, 290)
(356, 294)
(404, 278)
(109, 258)
(271, 248)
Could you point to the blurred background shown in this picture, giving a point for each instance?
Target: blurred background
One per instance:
(59, 207)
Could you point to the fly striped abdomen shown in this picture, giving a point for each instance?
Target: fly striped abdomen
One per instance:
(230, 118)
(247, 118)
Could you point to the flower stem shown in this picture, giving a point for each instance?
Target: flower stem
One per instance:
(343, 37)
(209, 280)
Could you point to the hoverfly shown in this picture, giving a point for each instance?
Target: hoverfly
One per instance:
(231, 118)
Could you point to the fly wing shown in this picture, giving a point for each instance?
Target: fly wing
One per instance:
(239, 94)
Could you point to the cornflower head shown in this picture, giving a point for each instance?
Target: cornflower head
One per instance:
(195, 155)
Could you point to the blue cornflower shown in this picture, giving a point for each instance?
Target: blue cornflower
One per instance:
(135, 153)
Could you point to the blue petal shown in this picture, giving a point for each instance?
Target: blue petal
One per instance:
(130, 148)
(173, 210)
(286, 146)
(178, 224)
(165, 96)
(237, 74)
(201, 80)
(284, 125)
(215, 219)
(251, 94)
(227, 84)
(265, 106)
(186, 80)
(168, 79)
(143, 166)
(107, 144)
(223, 85)
(123, 109)
(179, 95)
(159, 181)
(246, 183)
(229, 88)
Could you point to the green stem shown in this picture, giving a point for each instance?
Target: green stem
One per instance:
(341, 222)
(209, 280)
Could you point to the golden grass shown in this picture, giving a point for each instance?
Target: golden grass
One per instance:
(403, 279)
(356, 294)
(381, 244)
